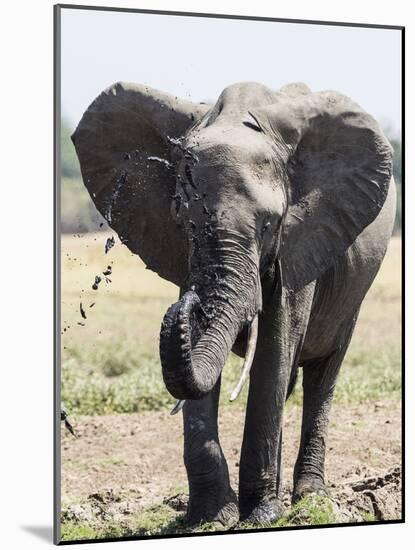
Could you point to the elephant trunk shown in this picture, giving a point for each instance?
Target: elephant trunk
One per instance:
(192, 362)
(198, 331)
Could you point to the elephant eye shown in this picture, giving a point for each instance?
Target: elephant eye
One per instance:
(252, 126)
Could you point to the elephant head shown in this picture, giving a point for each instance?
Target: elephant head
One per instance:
(212, 198)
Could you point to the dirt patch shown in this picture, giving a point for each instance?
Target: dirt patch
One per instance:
(105, 506)
(121, 464)
(378, 497)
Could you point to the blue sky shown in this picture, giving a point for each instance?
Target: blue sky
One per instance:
(195, 58)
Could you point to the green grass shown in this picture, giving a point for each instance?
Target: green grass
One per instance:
(156, 520)
(90, 386)
(367, 516)
(81, 531)
(77, 531)
(311, 510)
(119, 378)
(159, 520)
(162, 520)
(367, 376)
(93, 382)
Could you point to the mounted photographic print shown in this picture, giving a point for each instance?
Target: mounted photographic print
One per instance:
(228, 274)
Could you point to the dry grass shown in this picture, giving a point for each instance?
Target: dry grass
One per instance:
(111, 364)
(131, 306)
(379, 323)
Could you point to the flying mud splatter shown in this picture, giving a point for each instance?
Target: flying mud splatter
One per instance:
(114, 197)
(96, 282)
(109, 244)
(82, 311)
(68, 425)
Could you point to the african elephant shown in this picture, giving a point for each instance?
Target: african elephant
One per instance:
(272, 212)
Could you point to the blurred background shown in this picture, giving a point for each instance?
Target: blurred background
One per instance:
(195, 58)
(79, 214)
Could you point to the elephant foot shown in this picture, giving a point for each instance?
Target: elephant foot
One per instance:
(308, 486)
(221, 509)
(263, 514)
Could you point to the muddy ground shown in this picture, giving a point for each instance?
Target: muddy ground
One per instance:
(126, 463)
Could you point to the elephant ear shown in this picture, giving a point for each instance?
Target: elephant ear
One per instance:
(123, 143)
(337, 167)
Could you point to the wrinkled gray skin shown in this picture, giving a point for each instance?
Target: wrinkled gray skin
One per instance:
(271, 203)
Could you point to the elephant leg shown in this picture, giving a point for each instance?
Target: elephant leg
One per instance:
(260, 465)
(319, 380)
(281, 334)
(211, 497)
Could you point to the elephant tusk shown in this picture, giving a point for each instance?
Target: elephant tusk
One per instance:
(178, 407)
(249, 358)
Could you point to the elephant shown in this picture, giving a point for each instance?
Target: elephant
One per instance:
(271, 210)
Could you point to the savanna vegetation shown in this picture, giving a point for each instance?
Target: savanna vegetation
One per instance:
(110, 366)
(110, 361)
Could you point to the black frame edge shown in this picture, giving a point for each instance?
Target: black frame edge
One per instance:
(403, 256)
(56, 273)
(227, 16)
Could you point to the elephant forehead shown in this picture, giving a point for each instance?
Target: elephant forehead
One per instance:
(230, 143)
(243, 94)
